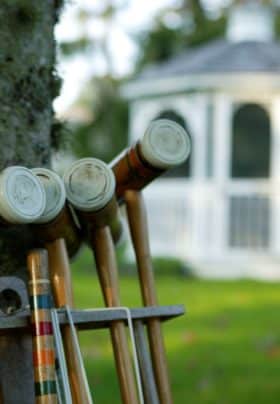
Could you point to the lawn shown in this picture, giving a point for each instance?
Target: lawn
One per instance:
(226, 350)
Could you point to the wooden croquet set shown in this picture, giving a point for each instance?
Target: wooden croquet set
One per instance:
(84, 207)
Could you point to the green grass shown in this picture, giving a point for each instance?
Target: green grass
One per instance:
(226, 350)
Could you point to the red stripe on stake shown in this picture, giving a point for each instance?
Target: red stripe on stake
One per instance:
(42, 328)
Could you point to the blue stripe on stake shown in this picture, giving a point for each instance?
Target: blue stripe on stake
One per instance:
(45, 388)
(40, 302)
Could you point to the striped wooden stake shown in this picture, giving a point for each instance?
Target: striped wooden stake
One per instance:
(42, 331)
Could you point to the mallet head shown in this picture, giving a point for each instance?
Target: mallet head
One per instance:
(165, 144)
(90, 184)
(22, 196)
(55, 194)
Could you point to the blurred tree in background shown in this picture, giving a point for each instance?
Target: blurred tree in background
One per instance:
(102, 128)
(176, 28)
(104, 132)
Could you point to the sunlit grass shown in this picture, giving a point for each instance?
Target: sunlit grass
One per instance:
(226, 350)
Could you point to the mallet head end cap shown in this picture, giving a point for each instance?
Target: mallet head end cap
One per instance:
(165, 144)
(90, 184)
(55, 193)
(22, 196)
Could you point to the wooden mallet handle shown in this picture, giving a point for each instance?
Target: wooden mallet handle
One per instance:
(103, 248)
(90, 188)
(60, 276)
(140, 238)
(164, 145)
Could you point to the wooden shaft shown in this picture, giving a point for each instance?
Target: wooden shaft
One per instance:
(147, 375)
(63, 226)
(137, 219)
(42, 332)
(109, 215)
(103, 248)
(60, 276)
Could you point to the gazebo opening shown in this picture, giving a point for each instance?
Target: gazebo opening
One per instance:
(251, 142)
(184, 170)
(250, 211)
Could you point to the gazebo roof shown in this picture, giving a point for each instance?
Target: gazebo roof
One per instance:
(250, 66)
(220, 56)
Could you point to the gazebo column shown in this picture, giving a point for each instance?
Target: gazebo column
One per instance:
(275, 176)
(222, 160)
(198, 192)
(141, 114)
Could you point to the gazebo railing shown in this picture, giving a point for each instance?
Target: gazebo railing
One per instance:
(170, 217)
(208, 219)
(250, 205)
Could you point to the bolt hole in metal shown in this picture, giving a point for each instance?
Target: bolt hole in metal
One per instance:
(10, 301)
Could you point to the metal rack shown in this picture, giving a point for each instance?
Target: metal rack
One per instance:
(16, 362)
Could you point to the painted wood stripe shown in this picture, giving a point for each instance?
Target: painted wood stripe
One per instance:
(42, 328)
(40, 289)
(41, 343)
(50, 399)
(44, 373)
(40, 302)
(39, 282)
(45, 388)
(43, 357)
(40, 315)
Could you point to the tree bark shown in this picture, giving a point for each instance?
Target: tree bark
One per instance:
(28, 85)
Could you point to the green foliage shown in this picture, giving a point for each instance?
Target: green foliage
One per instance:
(277, 24)
(194, 26)
(80, 45)
(212, 29)
(163, 266)
(159, 44)
(167, 266)
(105, 132)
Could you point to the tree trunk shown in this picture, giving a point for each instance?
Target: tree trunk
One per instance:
(28, 85)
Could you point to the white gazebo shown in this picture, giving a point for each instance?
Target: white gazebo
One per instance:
(222, 211)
